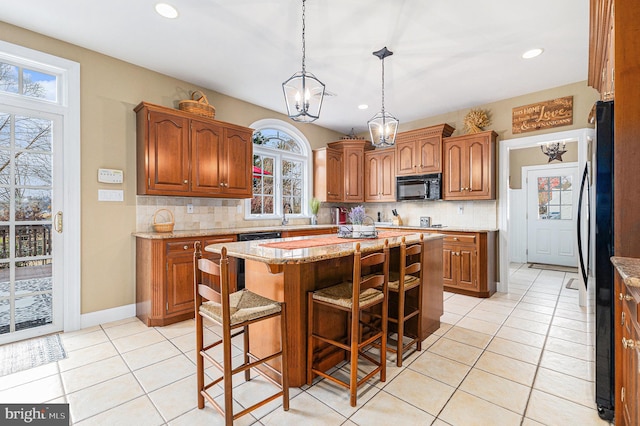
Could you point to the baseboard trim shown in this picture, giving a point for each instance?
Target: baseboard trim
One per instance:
(107, 315)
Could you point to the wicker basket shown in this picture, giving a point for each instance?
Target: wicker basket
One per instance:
(164, 226)
(198, 106)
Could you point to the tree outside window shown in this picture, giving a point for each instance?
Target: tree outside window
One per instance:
(278, 174)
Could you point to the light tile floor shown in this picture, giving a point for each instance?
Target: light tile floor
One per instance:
(518, 358)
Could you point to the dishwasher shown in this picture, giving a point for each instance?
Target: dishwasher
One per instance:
(251, 237)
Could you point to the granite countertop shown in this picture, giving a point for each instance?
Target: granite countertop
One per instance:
(629, 269)
(227, 231)
(439, 228)
(255, 250)
(281, 228)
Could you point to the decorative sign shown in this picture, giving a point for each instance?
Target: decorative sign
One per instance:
(543, 115)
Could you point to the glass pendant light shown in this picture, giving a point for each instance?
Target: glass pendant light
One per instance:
(303, 92)
(383, 126)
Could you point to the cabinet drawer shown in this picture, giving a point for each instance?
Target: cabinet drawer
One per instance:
(180, 247)
(218, 239)
(460, 239)
(630, 300)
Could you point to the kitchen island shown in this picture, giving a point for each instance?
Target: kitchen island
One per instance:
(286, 269)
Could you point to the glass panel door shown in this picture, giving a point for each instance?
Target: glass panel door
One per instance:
(26, 219)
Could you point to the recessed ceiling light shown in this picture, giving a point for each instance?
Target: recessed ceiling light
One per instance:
(363, 106)
(166, 10)
(532, 53)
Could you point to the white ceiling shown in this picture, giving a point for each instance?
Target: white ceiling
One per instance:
(448, 54)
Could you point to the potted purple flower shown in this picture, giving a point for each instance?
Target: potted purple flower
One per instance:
(357, 217)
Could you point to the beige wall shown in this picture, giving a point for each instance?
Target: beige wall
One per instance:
(533, 156)
(500, 112)
(110, 89)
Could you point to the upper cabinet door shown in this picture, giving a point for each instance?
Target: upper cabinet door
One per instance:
(469, 167)
(335, 175)
(405, 158)
(478, 151)
(372, 176)
(239, 162)
(353, 174)
(387, 183)
(429, 151)
(167, 153)
(455, 178)
(207, 149)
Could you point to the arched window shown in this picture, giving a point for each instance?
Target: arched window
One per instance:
(281, 171)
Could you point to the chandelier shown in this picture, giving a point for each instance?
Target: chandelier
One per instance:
(383, 126)
(553, 150)
(303, 92)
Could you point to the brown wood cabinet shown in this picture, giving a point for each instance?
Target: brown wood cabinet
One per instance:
(601, 74)
(380, 175)
(164, 277)
(339, 171)
(627, 352)
(469, 263)
(469, 167)
(420, 151)
(180, 154)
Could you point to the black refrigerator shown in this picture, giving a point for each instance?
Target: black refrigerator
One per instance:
(604, 284)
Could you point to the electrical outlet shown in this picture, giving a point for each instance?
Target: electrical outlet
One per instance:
(189, 208)
(460, 210)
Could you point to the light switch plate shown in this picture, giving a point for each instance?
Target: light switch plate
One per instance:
(110, 195)
(110, 176)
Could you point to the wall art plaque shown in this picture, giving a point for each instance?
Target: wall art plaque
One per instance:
(543, 115)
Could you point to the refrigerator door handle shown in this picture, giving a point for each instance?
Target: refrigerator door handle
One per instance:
(584, 270)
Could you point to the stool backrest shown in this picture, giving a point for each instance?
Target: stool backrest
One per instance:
(381, 279)
(406, 252)
(206, 271)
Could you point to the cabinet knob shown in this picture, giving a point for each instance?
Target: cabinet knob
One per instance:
(185, 181)
(185, 247)
(626, 297)
(455, 238)
(628, 343)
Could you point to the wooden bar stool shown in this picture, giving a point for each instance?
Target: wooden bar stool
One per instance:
(234, 312)
(354, 297)
(408, 278)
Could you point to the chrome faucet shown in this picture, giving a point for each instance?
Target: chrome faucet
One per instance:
(285, 221)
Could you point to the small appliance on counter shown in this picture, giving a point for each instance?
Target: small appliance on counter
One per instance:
(425, 221)
(338, 216)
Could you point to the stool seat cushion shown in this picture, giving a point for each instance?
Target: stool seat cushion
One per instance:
(245, 306)
(341, 295)
(410, 281)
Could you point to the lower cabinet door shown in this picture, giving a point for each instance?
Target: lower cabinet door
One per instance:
(179, 283)
(448, 276)
(467, 268)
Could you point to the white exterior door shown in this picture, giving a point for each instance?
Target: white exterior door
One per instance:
(552, 199)
(39, 182)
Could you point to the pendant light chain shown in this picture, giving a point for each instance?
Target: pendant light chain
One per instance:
(383, 87)
(303, 92)
(304, 49)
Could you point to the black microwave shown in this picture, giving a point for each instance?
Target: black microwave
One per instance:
(421, 187)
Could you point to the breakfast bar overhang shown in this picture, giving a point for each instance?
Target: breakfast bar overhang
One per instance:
(286, 269)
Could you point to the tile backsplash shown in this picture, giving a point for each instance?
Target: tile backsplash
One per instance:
(208, 213)
(212, 213)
